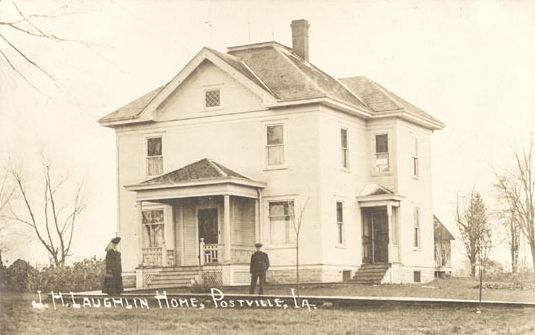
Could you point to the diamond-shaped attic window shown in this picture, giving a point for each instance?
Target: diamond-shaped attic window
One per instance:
(212, 98)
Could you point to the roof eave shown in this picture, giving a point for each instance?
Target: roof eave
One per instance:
(402, 114)
(325, 100)
(121, 122)
(227, 180)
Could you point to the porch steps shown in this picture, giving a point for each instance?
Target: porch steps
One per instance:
(370, 274)
(173, 277)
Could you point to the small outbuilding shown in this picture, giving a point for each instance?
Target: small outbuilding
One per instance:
(443, 239)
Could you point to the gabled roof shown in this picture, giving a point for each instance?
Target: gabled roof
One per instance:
(281, 77)
(132, 109)
(202, 170)
(374, 189)
(441, 232)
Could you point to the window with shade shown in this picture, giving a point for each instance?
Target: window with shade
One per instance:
(414, 158)
(281, 222)
(154, 156)
(344, 148)
(275, 145)
(382, 157)
(339, 223)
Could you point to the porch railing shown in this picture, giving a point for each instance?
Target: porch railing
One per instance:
(154, 257)
(241, 254)
(209, 253)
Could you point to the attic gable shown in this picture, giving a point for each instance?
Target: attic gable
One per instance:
(142, 109)
(189, 98)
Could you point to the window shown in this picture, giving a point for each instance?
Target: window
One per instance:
(415, 168)
(275, 145)
(382, 160)
(281, 222)
(417, 228)
(345, 150)
(417, 276)
(212, 98)
(153, 228)
(154, 156)
(340, 222)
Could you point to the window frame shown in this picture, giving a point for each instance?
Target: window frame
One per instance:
(163, 224)
(417, 230)
(146, 154)
(415, 157)
(290, 228)
(206, 92)
(283, 165)
(340, 225)
(344, 151)
(376, 170)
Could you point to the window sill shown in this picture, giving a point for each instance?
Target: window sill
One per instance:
(278, 167)
(381, 174)
(416, 177)
(346, 170)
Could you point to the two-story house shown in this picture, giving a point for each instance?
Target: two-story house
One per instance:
(241, 146)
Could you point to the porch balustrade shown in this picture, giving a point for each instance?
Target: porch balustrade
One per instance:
(210, 253)
(154, 256)
(214, 253)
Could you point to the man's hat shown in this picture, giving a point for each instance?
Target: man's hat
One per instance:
(116, 240)
(258, 245)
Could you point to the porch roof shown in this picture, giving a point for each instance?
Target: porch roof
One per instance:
(374, 194)
(201, 178)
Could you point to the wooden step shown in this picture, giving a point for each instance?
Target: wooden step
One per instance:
(370, 274)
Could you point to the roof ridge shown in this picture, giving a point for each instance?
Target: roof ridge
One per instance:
(387, 93)
(307, 78)
(215, 166)
(257, 77)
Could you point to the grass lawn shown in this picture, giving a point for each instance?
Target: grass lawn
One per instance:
(454, 288)
(17, 317)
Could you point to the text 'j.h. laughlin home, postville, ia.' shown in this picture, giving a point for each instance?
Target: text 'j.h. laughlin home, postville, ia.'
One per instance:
(239, 145)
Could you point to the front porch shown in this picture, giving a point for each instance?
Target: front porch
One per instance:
(380, 239)
(198, 218)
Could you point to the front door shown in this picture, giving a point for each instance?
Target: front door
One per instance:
(375, 236)
(208, 230)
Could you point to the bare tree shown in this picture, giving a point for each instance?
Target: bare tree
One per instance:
(54, 216)
(475, 230)
(6, 193)
(517, 189)
(513, 232)
(25, 26)
(297, 230)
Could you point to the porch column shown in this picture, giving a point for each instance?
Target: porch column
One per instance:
(139, 222)
(226, 223)
(389, 214)
(257, 234)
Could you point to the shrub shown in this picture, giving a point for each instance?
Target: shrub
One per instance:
(19, 276)
(81, 276)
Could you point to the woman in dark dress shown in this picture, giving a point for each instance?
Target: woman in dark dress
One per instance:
(113, 282)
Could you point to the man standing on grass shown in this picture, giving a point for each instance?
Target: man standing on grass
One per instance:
(258, 268)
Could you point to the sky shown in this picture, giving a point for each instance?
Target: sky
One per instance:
(470, 64)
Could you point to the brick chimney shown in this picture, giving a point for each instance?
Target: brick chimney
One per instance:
(300, 38)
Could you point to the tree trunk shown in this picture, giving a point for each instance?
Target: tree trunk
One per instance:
(472, 269)
(532, 246)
